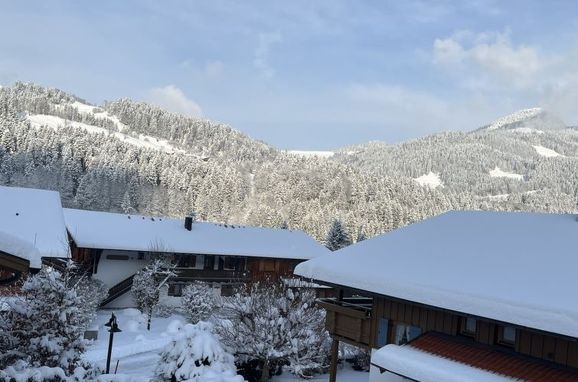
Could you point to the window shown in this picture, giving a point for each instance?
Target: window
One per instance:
(382, 332)
(507, 335)
(231, 263)
(405, 333)
(175, 290)
(187, 261)
(468, 326)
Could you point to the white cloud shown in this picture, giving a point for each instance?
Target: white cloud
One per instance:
(494, 55)
(262, 52)
(173, 99)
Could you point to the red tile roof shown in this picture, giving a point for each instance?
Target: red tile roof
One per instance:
(487, 358)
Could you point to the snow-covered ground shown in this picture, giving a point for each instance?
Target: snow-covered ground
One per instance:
(499, 173)
(137, 350)
(305, 153)
(53, 122)
(431, 179)
(546, 152)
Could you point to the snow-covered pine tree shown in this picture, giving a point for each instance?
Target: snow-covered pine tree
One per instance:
(50, 319)
(271, 324)
(147, 283)
(196, 355)
(337, 237)
(198, 301)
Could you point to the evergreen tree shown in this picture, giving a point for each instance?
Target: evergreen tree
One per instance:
(337, 237)
(49, 321)
(198, 301)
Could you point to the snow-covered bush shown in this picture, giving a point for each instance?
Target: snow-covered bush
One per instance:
(275, 324)
(21, 371)
(198, 301)
(48, 322)
(196, 355)
(147, 283)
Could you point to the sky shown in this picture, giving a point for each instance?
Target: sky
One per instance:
(305, 74)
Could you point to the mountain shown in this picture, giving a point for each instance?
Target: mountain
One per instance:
(527, 120)
(128, 156)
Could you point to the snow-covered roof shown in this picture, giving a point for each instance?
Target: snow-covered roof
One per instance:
(514, 267)
(425, 367)
(91, 229)
(32, 224)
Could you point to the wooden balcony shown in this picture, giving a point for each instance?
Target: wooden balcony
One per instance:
(349, 319)
(188, 274)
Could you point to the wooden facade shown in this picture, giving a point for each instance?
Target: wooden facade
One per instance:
(375, 327)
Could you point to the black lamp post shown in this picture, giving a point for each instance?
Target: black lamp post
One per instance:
(113, 329)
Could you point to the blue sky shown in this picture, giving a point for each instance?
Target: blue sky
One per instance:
(305, 74)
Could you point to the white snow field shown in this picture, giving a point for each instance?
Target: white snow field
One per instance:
(546, 152)
(499, 173)
(431, 180)
(445, 261)
(145, 141)
(137, 350)
(32, 224)
(305, 153)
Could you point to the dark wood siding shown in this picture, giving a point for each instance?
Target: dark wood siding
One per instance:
(553, 348)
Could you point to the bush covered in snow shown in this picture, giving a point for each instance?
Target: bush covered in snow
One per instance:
(274, 324)
(195, 355)
(198, 301)
(46, 325)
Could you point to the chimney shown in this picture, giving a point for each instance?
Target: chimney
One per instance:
(188, 223)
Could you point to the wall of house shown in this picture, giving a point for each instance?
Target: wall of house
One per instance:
(111, 269)
(540, 345)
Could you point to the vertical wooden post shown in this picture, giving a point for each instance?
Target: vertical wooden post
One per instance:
(334, 360)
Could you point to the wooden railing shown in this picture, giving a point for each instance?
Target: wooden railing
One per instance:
(185, 274)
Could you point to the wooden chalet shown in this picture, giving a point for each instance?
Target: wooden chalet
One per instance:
(464, 296)
(32, 231)
(113, 247)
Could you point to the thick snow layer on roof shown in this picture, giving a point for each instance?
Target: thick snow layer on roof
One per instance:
(91, 229)
(32, 224)
(518, 267)
(425, 367)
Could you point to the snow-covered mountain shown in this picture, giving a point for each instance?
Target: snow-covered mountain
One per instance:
(527, 121)
(131, 156)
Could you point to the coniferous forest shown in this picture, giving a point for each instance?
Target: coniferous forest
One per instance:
(131, 157)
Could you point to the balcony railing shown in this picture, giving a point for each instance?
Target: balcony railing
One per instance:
(349, 319)
(186, 274)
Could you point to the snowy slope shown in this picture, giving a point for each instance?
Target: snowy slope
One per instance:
(431, 180)
(526, 121)
(445, 261)
(499, 173)
(91, 229)
(546, 152)
(319, 154)
(32, 224)
(145, 141)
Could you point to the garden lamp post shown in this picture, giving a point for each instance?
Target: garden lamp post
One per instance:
(113, 329)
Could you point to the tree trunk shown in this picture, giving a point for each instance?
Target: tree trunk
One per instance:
(150, 316)
(265, 372)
